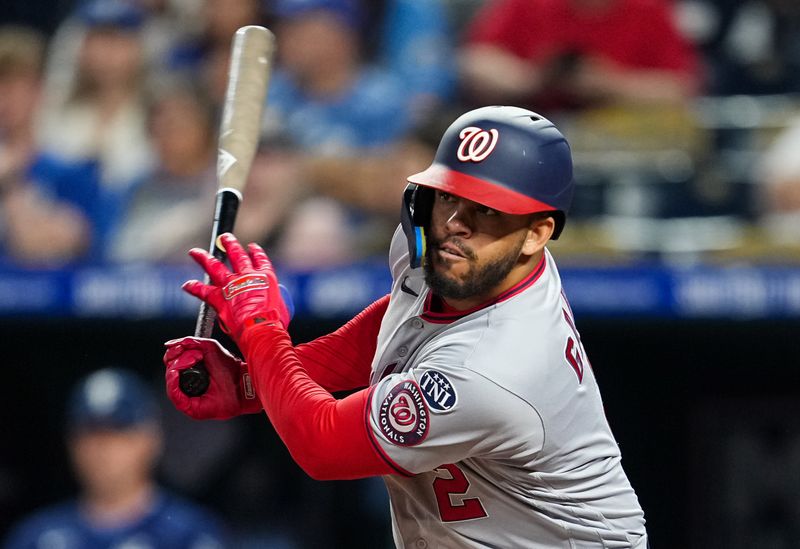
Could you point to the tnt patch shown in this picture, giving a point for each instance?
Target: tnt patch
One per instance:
(403, 415)
(438, 391)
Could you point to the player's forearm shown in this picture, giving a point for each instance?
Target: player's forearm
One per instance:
(327, 437)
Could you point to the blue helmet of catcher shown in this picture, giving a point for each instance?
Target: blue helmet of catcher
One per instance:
(111, 398)
(507, 158)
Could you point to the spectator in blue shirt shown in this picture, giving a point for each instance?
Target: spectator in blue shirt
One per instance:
(323, 96)
(416, 42)
(93, 107)
(42, 219)
(329, 103)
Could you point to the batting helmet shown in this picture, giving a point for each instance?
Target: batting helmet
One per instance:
(507, 158)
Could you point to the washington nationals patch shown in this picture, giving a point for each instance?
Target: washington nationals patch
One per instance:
(403, 415)
(438, 391)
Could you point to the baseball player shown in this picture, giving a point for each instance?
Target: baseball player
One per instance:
(478, 405)
(114, 440)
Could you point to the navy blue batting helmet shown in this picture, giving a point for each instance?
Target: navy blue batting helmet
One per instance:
(111, 398)
(507, 158)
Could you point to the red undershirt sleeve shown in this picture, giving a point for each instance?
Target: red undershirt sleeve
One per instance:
(342, 360)
(328, 438)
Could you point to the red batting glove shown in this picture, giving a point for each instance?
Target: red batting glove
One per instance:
(246, 296)
(230, 392)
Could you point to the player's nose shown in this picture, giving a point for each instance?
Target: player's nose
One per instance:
(458, 219)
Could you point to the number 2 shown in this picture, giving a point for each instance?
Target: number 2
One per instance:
(456, 485)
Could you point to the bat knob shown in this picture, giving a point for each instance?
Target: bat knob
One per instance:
(194, 381)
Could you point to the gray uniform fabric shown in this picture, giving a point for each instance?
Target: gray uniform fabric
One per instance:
(495, 424)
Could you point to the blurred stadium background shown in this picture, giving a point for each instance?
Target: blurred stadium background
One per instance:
(681, 258)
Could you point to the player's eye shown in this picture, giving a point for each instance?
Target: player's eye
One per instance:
(445, 197)
(485, 210)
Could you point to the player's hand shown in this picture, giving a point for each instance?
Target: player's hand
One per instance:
(247, 295)
(229, 392)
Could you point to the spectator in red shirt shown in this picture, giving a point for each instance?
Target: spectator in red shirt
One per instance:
(558, 54)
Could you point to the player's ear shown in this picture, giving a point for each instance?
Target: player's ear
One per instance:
(540, 230)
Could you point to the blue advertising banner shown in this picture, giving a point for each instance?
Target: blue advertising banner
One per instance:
(740, 292)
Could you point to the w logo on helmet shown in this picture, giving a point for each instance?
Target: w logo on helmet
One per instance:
(476, 144)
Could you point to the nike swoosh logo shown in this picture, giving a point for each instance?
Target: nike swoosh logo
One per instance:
(406, 289)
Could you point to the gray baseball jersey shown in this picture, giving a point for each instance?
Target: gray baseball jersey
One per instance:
(494, 423)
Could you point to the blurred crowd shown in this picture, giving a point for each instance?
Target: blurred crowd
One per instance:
(678, 111)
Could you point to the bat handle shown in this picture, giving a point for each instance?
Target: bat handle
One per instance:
(195, 380)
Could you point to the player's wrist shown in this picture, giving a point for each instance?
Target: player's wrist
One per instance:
(257, 331)
(250, 403)
(265, 317)
(268, 317)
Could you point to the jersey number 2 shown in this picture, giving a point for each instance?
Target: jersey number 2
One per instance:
(456, 485)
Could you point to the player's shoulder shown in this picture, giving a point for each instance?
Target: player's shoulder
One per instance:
(505, 354)
(479, 352)
(474, 399)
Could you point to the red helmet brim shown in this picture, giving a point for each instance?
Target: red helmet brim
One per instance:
(490, 194)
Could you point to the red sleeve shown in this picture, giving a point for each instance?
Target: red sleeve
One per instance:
(328, 438)
(664, 46)
(342, 360)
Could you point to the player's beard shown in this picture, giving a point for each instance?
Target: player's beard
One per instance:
(477, 281)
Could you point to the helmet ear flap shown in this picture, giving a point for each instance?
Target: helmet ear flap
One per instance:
(561, 220)
(423, 205)
(415, 217)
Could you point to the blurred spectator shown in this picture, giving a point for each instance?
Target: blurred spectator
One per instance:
(329, 104)
(96, 111)
(374, 183)
(224, 17)
(317, 234)
(753, 46)
(322, 95)
(170, 211)
(561, 54)
(167, 26)
(206, 54)
(414, 40)
(779, 173)
(38, 224)
(274, 185)
(114, 441)
(93, 116)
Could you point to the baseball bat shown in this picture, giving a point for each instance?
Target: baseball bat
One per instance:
(248, 79)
